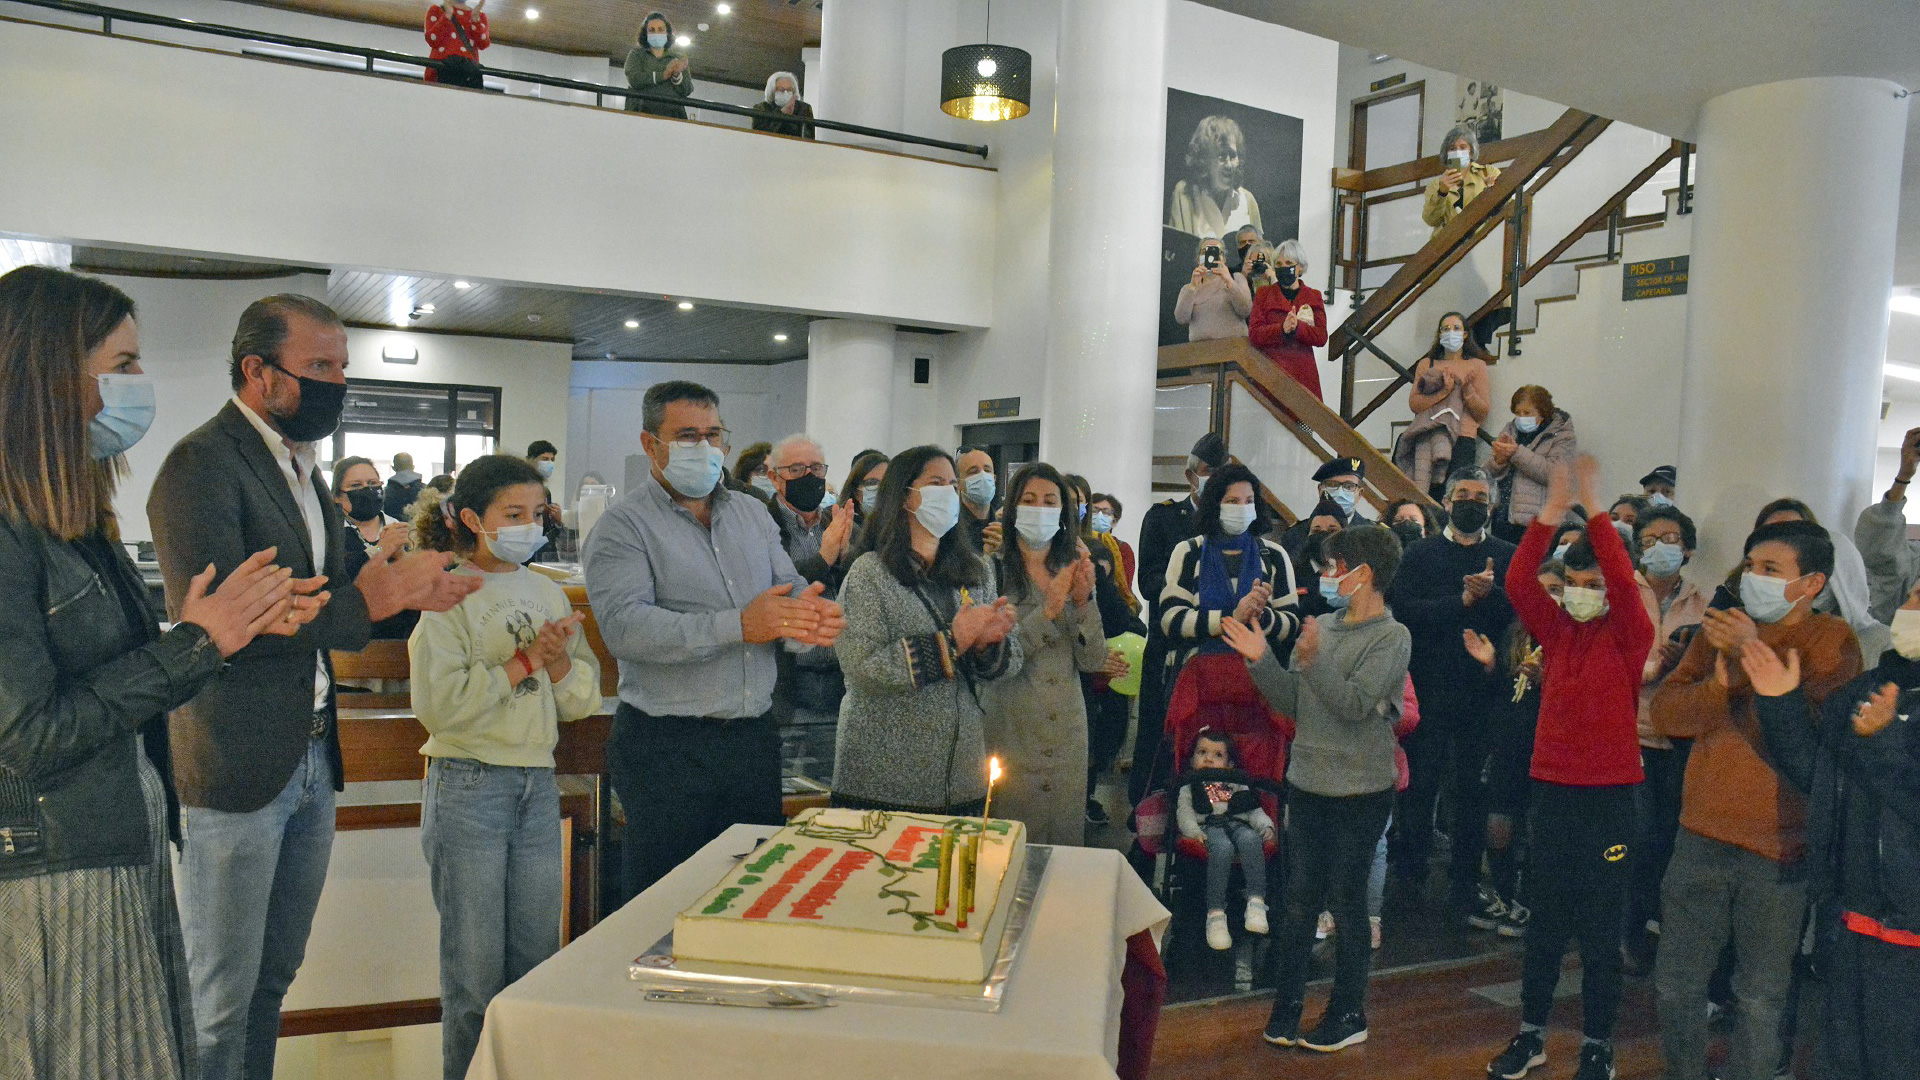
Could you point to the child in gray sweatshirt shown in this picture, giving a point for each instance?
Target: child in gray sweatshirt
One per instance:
(1343, 689)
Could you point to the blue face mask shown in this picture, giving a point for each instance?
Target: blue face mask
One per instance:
(516, 543)
(765, 484)
(1659, 498)
(1341, 497)
(656, 41)
(692, 472)
(1663, 559)
(1330, 591)
(1560, 552)
(1765, 598)
(1037, 525)
(980, 488)
(939, 509)
(126, 412)
(1526, 425)
(1101, 521)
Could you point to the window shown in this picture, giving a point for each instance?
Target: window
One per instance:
(442, 426)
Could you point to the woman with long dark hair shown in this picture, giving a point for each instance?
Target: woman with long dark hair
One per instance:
(1449, 399)
(925, 633)
(95, 977)
(1229, 569)
(1037, 720)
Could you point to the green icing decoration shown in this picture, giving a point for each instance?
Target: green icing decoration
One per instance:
(773, 856)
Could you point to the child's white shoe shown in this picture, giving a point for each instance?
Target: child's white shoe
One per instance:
(1256, 915)
(1217, 936)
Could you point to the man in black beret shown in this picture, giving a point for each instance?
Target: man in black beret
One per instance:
(1339, 483)
(1659, 485)
(1165, 526)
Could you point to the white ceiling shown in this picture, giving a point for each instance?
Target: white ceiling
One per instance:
(1651, 63)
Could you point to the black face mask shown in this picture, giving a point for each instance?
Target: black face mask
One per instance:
(1468, 516)
(805, 493)
(363, 504)
(318, 413)
(1287, 275)
(1409, 531)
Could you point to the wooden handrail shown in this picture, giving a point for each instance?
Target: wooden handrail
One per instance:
(1428, 166)
(1594, 221)
(1296, 407)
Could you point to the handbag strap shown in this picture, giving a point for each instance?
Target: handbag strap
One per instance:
(454, 18)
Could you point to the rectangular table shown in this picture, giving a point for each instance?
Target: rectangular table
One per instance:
(579, 1016)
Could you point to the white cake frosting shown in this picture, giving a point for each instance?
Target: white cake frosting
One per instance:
(853, 892)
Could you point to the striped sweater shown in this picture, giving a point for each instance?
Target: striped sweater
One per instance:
(1188, 625)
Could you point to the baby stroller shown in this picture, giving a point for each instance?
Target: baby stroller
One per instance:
(1213, 691)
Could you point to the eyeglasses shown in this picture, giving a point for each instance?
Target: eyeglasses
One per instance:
(687, 440)
(1647, 540)
(1350, 485)
(795, 472)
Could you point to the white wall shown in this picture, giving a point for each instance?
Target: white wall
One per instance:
(275, 161)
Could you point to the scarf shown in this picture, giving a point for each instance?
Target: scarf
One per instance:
(1218, 592)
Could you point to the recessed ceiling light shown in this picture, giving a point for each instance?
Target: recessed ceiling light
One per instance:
(686, 305)
(533, 14)
(633, 324)
(702, 27)
(724, 9)
(779, 337)
(683, 41)
(463, 285)
(428, 308)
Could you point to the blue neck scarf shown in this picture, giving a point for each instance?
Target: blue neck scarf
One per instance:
(1217, 589)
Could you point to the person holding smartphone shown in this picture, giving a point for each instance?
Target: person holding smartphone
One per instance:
(1215, 304)
(1464, 178)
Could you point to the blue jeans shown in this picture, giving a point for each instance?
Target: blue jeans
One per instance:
(249, 884)
(1377, 876)
(491, 834)
(1236, 837)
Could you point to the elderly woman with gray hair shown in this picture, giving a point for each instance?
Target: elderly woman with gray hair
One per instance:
(1211, 200)
(1462, 182)
(1289, 317)
(1216, 302)
(780, 110)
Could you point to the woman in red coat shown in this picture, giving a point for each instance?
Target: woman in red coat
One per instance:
(1289, 318)
(457, 29)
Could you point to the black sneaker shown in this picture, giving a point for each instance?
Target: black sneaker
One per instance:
(1336, 1032)
(1283, 1025)
(1097, 814)
(1491, 912)
(1596, 1062)
(1527, 1051)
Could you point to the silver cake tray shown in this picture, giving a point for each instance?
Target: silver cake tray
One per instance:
(656, 969)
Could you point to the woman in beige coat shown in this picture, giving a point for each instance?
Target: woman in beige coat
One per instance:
(1462, 182)
(1036, 721)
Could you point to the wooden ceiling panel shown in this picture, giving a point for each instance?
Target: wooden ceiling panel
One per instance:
(756, 39)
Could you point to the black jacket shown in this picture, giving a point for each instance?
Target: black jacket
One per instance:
(1425, 597)
(1162, 530)
(1863, 821)
(78, 685)
(770, 117)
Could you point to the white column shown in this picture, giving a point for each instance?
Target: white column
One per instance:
(849, 390)
(861, 73)
(1792, 263)
(1103, 327)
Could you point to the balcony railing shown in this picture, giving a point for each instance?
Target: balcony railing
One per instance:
(109, 16)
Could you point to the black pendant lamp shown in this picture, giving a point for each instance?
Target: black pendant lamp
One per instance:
(986, 82)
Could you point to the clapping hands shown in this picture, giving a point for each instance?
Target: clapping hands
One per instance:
(1256, 601)
(1247, 641)
(979, 626)
(808, 618)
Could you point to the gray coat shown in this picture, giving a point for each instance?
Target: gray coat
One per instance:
(1531, 465)
(909, 735)
(1893, 561)
(1036, 720)
(1344, 706)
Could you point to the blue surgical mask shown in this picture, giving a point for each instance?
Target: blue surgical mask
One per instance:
(869, 496)
(1663, 559)
(825, 500)
(693, 471)
(1037, 525)
(126, 412)
(1341, 497)
(1101, 521)
(765, 484)
(1526, 425)
(1765, 598)
(1236, 518)
(1452, 340)
(1330, 590)
(1659, 498)
(939, 509)
(656, 41)
(980, 488)
(1561, 551)
(545, 468)
(516, 543)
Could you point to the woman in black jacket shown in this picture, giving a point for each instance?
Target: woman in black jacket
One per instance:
(1858, 760)
(94, 983)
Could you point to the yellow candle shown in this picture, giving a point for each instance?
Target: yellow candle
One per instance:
(993, 775)
(964, 903)
(973, 868)
(946, 871)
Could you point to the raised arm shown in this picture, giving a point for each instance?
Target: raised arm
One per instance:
(1891, 560)
(1535, 609)
(1627, 620)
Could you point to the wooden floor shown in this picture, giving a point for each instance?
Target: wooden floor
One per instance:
(1422, 1025)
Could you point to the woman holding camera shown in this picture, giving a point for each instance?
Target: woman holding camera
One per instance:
(1216, 302)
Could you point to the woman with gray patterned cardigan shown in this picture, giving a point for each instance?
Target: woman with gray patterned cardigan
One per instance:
(925, 633)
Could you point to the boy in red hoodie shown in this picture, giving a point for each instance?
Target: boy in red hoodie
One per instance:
(1586, 762)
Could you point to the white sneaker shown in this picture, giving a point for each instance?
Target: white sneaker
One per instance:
(1324, 927)
(1374, 920)
(1217, 936)
(1256, 915)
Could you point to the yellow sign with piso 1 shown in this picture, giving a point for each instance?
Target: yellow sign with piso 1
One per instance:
(1654, 277)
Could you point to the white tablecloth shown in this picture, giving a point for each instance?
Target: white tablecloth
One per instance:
(579, 1016)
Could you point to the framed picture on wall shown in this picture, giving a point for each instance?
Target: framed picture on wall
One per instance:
(1227, 165)
(1480, 107)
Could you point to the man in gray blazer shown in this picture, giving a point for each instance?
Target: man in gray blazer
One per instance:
(256, 756)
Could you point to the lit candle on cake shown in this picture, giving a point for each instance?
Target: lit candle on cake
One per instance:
(946, 871)
(993, 775)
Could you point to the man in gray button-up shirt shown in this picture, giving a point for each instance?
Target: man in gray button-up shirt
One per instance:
(693, 591)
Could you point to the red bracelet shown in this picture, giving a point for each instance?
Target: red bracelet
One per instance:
(525, 661)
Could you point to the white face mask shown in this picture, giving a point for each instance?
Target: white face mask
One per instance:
(939, 509)
(1459, 159)
(1037, 525)
(1584, 605)
(1452, 340)
(1906, 633)
(782, 97)
(516, 543)
(1236, 518)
